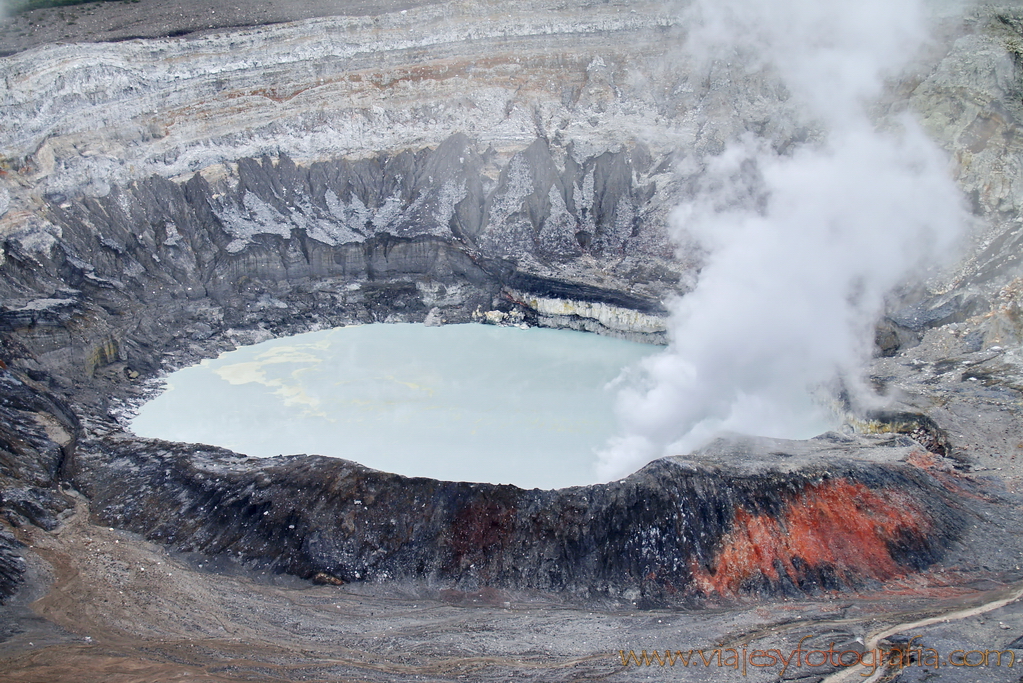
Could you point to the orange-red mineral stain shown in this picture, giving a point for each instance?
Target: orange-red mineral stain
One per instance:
(925, 460)
(838, 524)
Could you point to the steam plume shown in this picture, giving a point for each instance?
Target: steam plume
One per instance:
(802, 246)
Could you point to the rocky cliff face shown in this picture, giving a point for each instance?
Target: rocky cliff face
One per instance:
(163, 200)
(725, 523)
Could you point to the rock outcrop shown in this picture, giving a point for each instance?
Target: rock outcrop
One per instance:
(743, 517)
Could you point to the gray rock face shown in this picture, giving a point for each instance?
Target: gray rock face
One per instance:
(38, 434)
(534, 212)
(970, 103)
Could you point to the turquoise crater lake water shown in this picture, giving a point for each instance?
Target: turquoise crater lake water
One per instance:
(460, 402)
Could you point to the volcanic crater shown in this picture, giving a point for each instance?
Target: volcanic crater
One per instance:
(164, 199)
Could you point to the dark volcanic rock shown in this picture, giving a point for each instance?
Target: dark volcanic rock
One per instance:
(12, 565)
(731, 523)
(38, 434)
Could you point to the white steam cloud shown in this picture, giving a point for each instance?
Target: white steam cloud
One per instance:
(802, 246)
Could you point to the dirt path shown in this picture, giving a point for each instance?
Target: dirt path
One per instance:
(997, 600)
